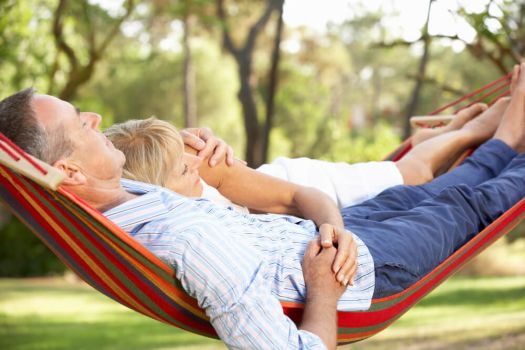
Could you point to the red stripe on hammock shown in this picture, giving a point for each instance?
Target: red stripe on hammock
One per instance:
(133, 244)
(23, 154)
(141, 284)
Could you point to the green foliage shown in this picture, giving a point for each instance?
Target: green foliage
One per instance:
(22, 254)
(24, 45)
(499, 32)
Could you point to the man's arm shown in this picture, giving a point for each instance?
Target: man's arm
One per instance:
(230, 282)
(322, 293)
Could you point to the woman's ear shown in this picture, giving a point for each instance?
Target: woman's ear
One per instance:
(74, 176)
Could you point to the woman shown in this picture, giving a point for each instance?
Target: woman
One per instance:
(155, 154)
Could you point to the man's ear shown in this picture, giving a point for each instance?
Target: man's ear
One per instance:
(74, 176)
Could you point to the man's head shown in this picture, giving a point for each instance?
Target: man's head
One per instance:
(59, 134)
(19, 123)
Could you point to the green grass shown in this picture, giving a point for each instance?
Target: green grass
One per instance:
(464, 313)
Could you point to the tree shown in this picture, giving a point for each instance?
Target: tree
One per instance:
(80, 72)
(273, 81)
(500, 33)
(189, 104)
(256, 146)
(420, 78)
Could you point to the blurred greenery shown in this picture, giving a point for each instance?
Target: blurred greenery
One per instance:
(480, 313)
(23, 254)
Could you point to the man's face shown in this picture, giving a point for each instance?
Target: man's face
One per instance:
(93, 154)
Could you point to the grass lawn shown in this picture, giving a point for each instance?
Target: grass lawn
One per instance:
(464, 313)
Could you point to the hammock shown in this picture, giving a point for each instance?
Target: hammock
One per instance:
(115, 264)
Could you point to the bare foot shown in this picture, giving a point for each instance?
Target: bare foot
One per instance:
(461, 118)
(512, 127)
(484, 126)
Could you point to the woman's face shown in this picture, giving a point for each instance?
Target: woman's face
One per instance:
(184, 178)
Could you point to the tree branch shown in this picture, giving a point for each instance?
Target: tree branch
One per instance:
(438, 84)
(226, 37)
(260, 24)
(113, 32)
(58, 32)
(91, 32)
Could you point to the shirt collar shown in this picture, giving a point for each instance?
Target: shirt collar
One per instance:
(150, 204)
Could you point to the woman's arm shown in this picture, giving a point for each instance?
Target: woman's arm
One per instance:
(264, 193)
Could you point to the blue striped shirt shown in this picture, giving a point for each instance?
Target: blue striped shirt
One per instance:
(238, 266)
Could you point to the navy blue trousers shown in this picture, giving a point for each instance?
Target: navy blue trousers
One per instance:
(409, 230)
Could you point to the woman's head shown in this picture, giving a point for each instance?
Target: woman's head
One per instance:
(155, 154)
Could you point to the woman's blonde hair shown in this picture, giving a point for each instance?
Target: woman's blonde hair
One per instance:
(152, 148)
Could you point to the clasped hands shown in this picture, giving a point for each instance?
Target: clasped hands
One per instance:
(330, 262)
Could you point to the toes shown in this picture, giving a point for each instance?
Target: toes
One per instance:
(466, 114)
(472, 111)
(520, 85)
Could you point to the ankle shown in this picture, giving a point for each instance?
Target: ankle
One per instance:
(414, 171)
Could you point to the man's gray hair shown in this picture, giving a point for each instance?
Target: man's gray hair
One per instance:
(18, 122)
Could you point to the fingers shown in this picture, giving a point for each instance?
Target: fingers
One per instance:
(210, 140)
(347, 272)
(345, 262)
(215, 148)
(230, 159)
(344, 246)
(326, 235)
(221, 150)
(191, 139)
(312, 249)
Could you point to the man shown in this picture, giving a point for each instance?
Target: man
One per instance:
(235, 264)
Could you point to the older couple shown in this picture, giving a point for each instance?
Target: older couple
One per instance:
(238, 266)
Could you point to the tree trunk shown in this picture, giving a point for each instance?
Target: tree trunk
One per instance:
(272, 85)
(255, 154)
(80, 74)
(414, 100)
(189, 103)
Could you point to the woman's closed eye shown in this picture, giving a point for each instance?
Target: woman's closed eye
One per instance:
(185, 169)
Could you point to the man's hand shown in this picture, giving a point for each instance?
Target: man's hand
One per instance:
(345, 262)
(207, 145)
(322, 293)
(318, 276)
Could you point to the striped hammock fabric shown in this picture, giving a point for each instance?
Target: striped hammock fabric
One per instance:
(112, 262)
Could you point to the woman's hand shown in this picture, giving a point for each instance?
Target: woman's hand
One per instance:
(345, 262)
(207, 145)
